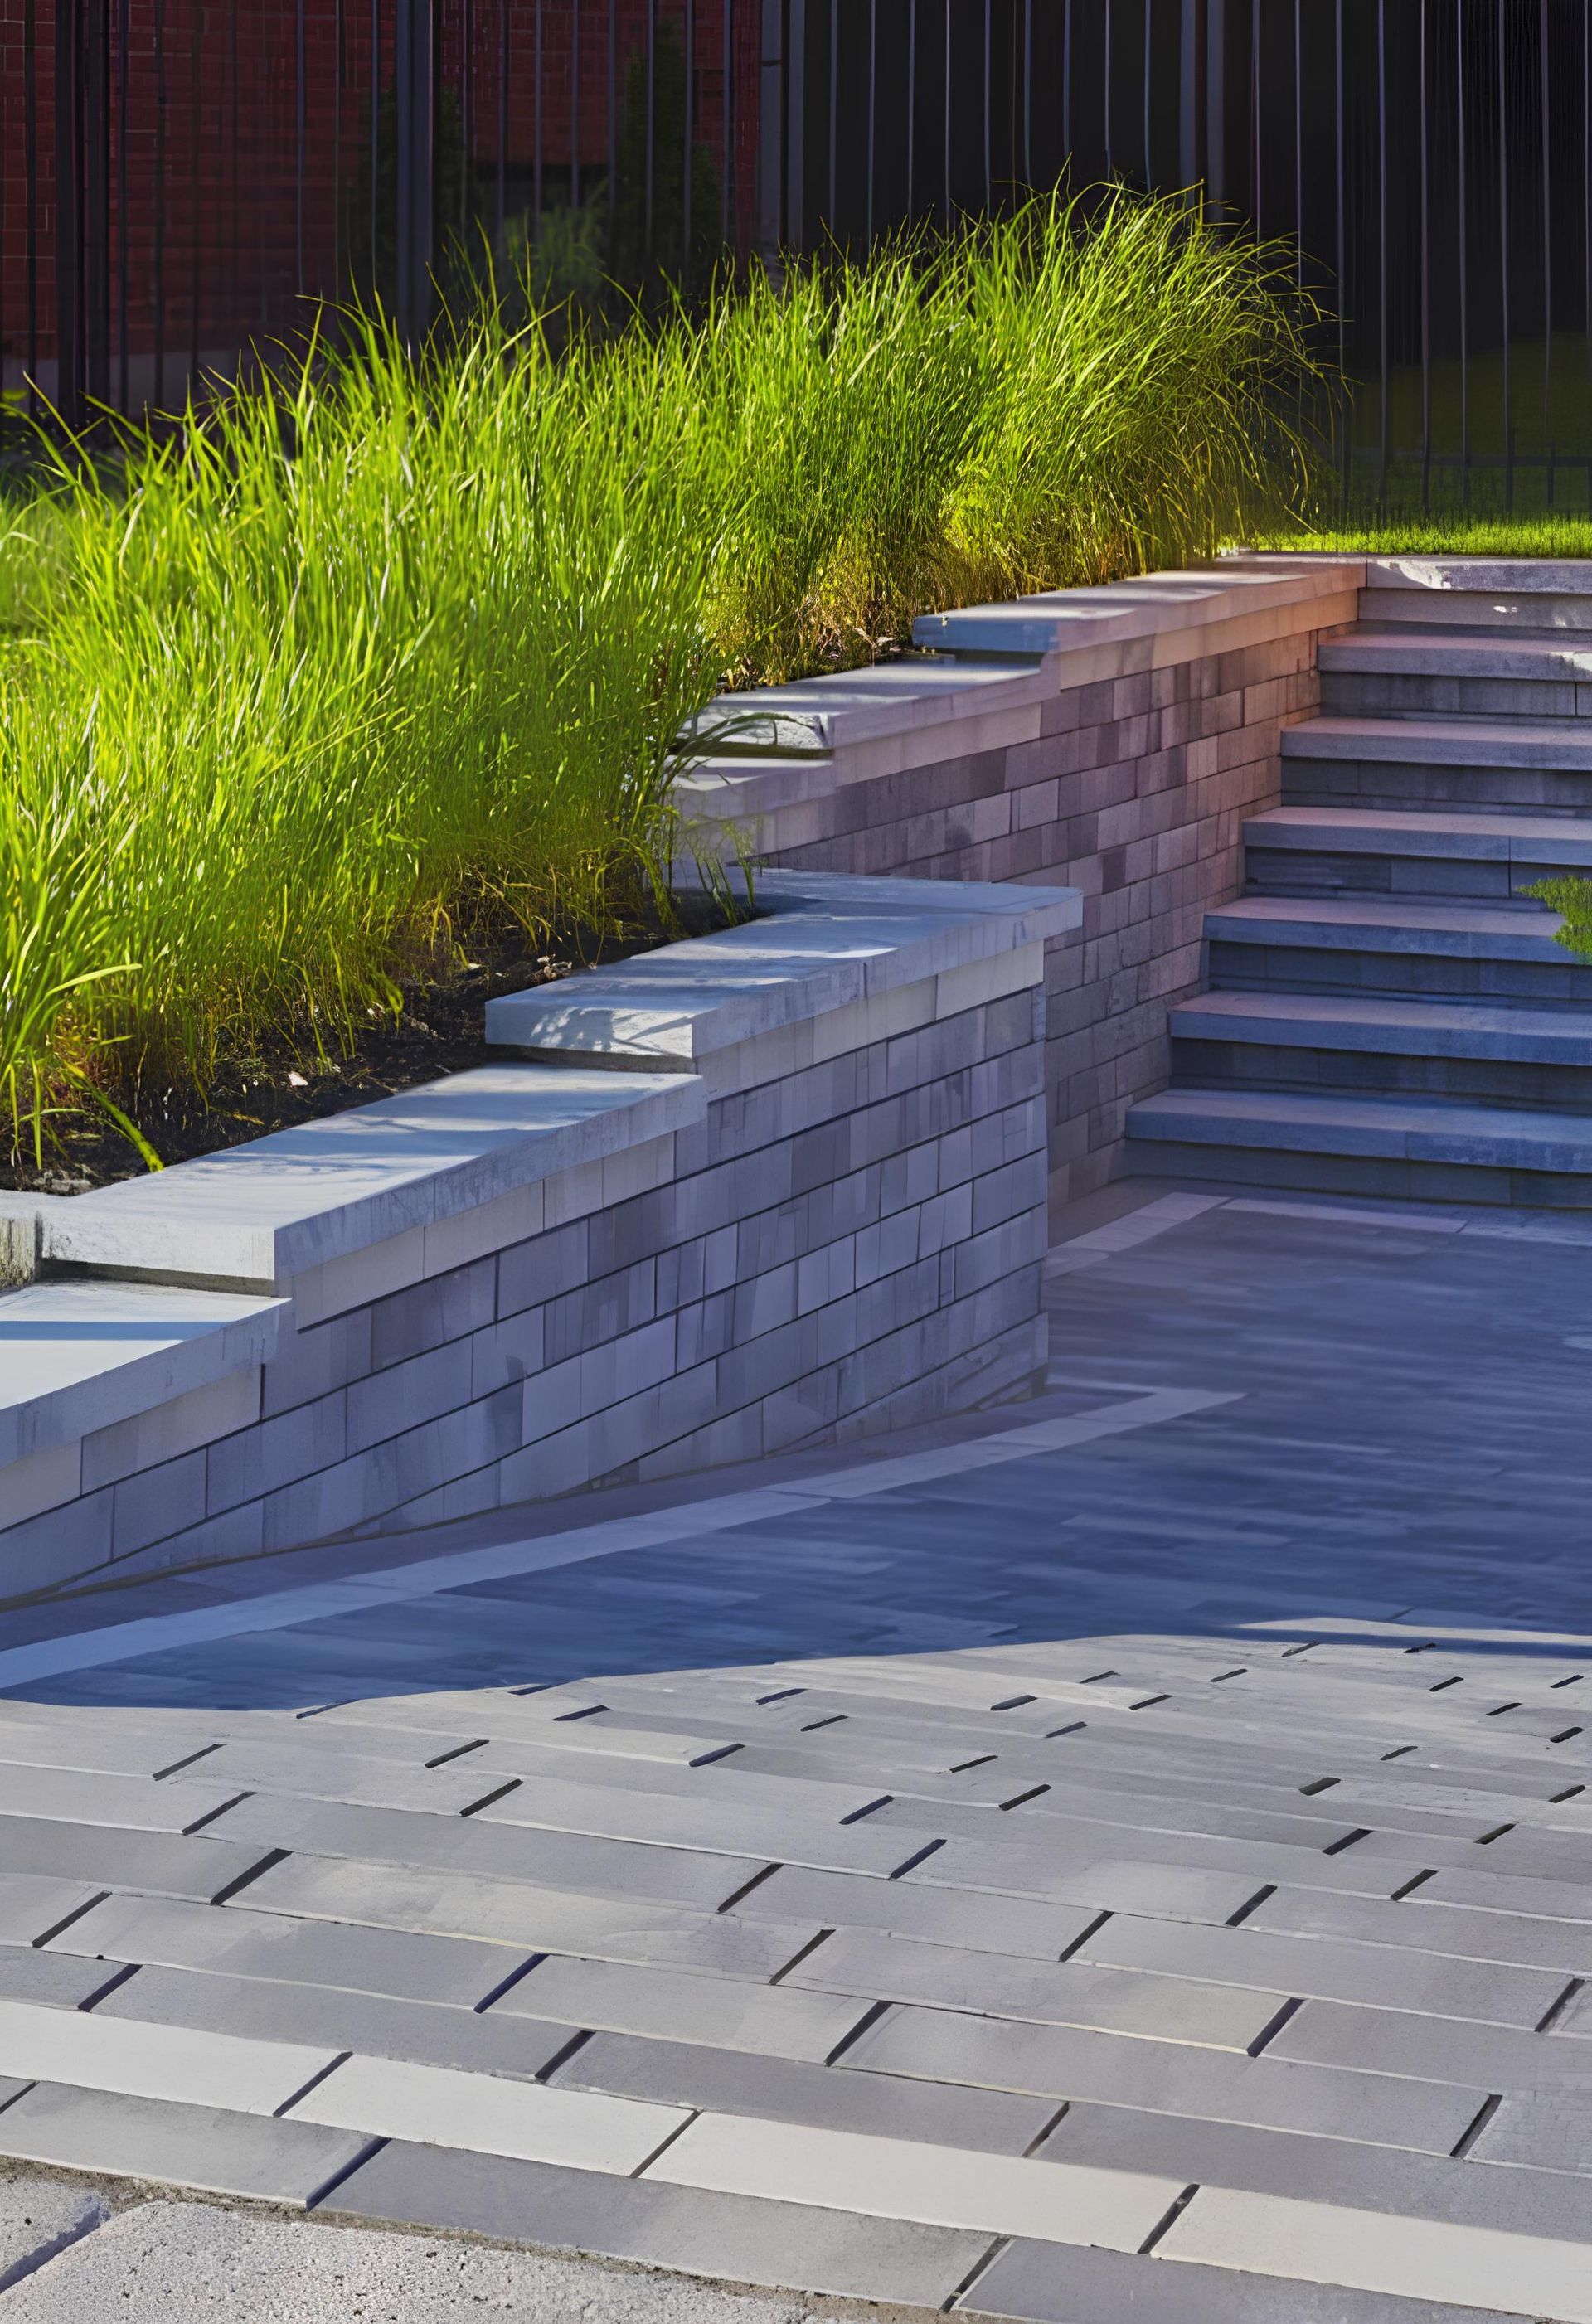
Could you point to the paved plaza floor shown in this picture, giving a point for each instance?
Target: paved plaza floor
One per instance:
(1126, 1857)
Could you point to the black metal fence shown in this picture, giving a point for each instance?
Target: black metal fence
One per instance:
(179, 178)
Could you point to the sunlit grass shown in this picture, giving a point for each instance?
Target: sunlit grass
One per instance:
(351, 664)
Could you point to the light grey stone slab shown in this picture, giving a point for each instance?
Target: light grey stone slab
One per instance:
(821, 942)
(740, 2239)
(1057, 1865)
(1267, 2092)
(125, 1749)
(177, 2263)
(552, 1859)
(873, 1846)
(1381, 1977)
(489, 2114)
(41, 2216)
(906, 1908)
(1035, 2284)
(780, 2089)
(153, 2061)
(1549, 2128)
(298, 1198)
(1105, 1883)
(1115, 613)
(1546, 2202)
(424, 2034)
(67, 1795)
(1390, 2042)
(32, 1904)
(725, 2012)
(1456, 1930)
(165, 1863)
(895, 1969)
(218, 2149)
(311, 1769)
(510, 1912)
(907, 2179)
(28, 1974)
(734, 1782)
(1371, 2251)
(241, 1941)
(77, 1356)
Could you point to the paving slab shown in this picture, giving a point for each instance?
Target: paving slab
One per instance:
(112, 2136)
(37, 2218)
(179, 2263)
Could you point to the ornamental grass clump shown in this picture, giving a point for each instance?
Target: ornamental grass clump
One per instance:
(370, 654)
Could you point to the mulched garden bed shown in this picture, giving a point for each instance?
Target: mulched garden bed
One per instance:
(440, 1031)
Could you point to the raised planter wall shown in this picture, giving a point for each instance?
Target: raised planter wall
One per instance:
(1111, 739)
(774, 1187)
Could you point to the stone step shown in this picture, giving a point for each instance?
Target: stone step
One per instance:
(1359, 1044)
(1542, 766)
(1411, 1147)
(1497, 953)
(1323, 850)
(1403, 671)
(1480, 592)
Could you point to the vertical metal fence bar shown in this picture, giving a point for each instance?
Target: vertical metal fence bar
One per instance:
(1425, 279)
(1028, 93)
(1383, 286)
(1067, 81)
(873, 110)
(727, 127)
(124, 42)
(1299, 140)
(499, 238)
(1503, 249)
(158, 268)
(376, 141)
(1255, 112)
(466, 115)
(68, 164)
(1547, 254)
(1106, 79)
(195, 119)
(835, 75)
(690, 111)
(651, 155)
(538, 58)
(1342, 299)
(97, 207)
(947, 113)
(1462, 191)
(340, 87)
(912, 104)
(414, 28)
(988, 107)
(612, 110)
(300, 139)
(30, 174)
(1149, 51)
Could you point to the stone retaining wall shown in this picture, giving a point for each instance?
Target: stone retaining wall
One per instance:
(801, 1198)
(1112, 739)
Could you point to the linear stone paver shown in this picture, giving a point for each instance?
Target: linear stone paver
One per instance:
(37, 2218)
(915, 1884)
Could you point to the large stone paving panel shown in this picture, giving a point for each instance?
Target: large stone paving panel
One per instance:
(1176, 1838)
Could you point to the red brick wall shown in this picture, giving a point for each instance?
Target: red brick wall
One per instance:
(214, 237)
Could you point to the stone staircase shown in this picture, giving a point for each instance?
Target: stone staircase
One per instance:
(1388, 1012)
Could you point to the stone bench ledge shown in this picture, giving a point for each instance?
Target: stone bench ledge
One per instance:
(822, 942)
(79, 1356)
(260, 1213)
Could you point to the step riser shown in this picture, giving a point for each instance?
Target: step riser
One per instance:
(1410, 975)
(1394, 694)
(1362, 1072)
(1478, 791)
(1313, 872)
(1340, 1174)
(1470, 609)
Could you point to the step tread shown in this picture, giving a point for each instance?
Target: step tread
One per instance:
(1446, 925)
(1405, 650)
(1416, 831)
(1555, 577)
(1428, 1129)
(1386, 1023)
(1541, 742)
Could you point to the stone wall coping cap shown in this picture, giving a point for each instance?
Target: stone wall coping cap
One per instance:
(1521, 576)
(821, 941)
(1060, 620)
(260, 1213)
(77, 1356)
